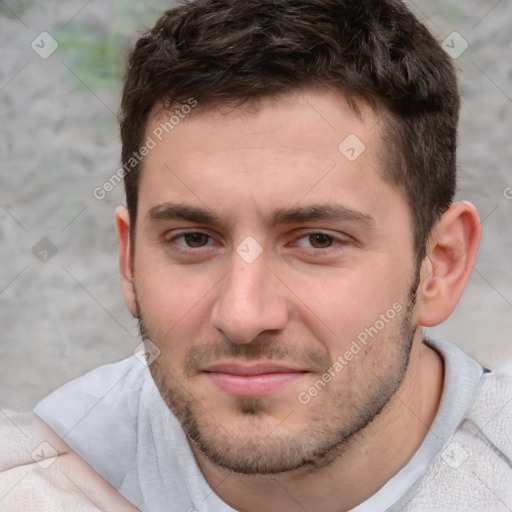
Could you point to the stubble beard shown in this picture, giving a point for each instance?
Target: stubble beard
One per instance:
(335, 420)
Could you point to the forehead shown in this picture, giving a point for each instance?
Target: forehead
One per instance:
(320, 108)
(306, 146)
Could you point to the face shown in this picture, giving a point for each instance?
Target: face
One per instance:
(274, 270)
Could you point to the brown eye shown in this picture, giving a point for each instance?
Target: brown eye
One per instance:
(196, 239)
(320, 241)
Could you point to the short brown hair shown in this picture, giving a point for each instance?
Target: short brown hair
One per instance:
(371, 50)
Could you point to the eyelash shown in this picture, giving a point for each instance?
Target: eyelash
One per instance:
(337, 242)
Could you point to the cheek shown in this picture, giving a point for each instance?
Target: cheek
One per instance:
(173, 303)
(342, 307)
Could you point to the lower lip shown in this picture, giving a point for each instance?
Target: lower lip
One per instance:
(247, 386)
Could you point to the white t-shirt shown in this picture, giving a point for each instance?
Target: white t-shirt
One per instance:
(115, 419)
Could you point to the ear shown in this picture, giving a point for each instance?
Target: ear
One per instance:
(122, 223)
(451, 252)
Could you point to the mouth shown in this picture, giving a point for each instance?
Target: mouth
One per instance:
(252, 380)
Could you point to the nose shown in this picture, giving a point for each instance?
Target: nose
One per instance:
(250, 301)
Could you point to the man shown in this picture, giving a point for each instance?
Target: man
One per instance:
(290, 229)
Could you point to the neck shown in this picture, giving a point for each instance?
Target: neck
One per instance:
(361, 467)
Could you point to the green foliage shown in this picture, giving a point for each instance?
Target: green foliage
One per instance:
(14, 8)
(96, 60)
(97, 56)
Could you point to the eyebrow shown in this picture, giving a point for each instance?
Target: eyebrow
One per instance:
(294, 215)
(171, 211)
(331, 212)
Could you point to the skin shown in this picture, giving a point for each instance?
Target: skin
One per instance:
(317, 284)
(39, 471)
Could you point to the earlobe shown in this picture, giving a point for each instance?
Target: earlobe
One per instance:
(126, 260)
(451, 252)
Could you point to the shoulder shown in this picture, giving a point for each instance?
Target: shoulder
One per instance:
(476, 465)
(474, 469)
(489, 419)
(96, 414)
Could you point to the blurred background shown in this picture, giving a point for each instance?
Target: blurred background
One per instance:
(61, 309)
